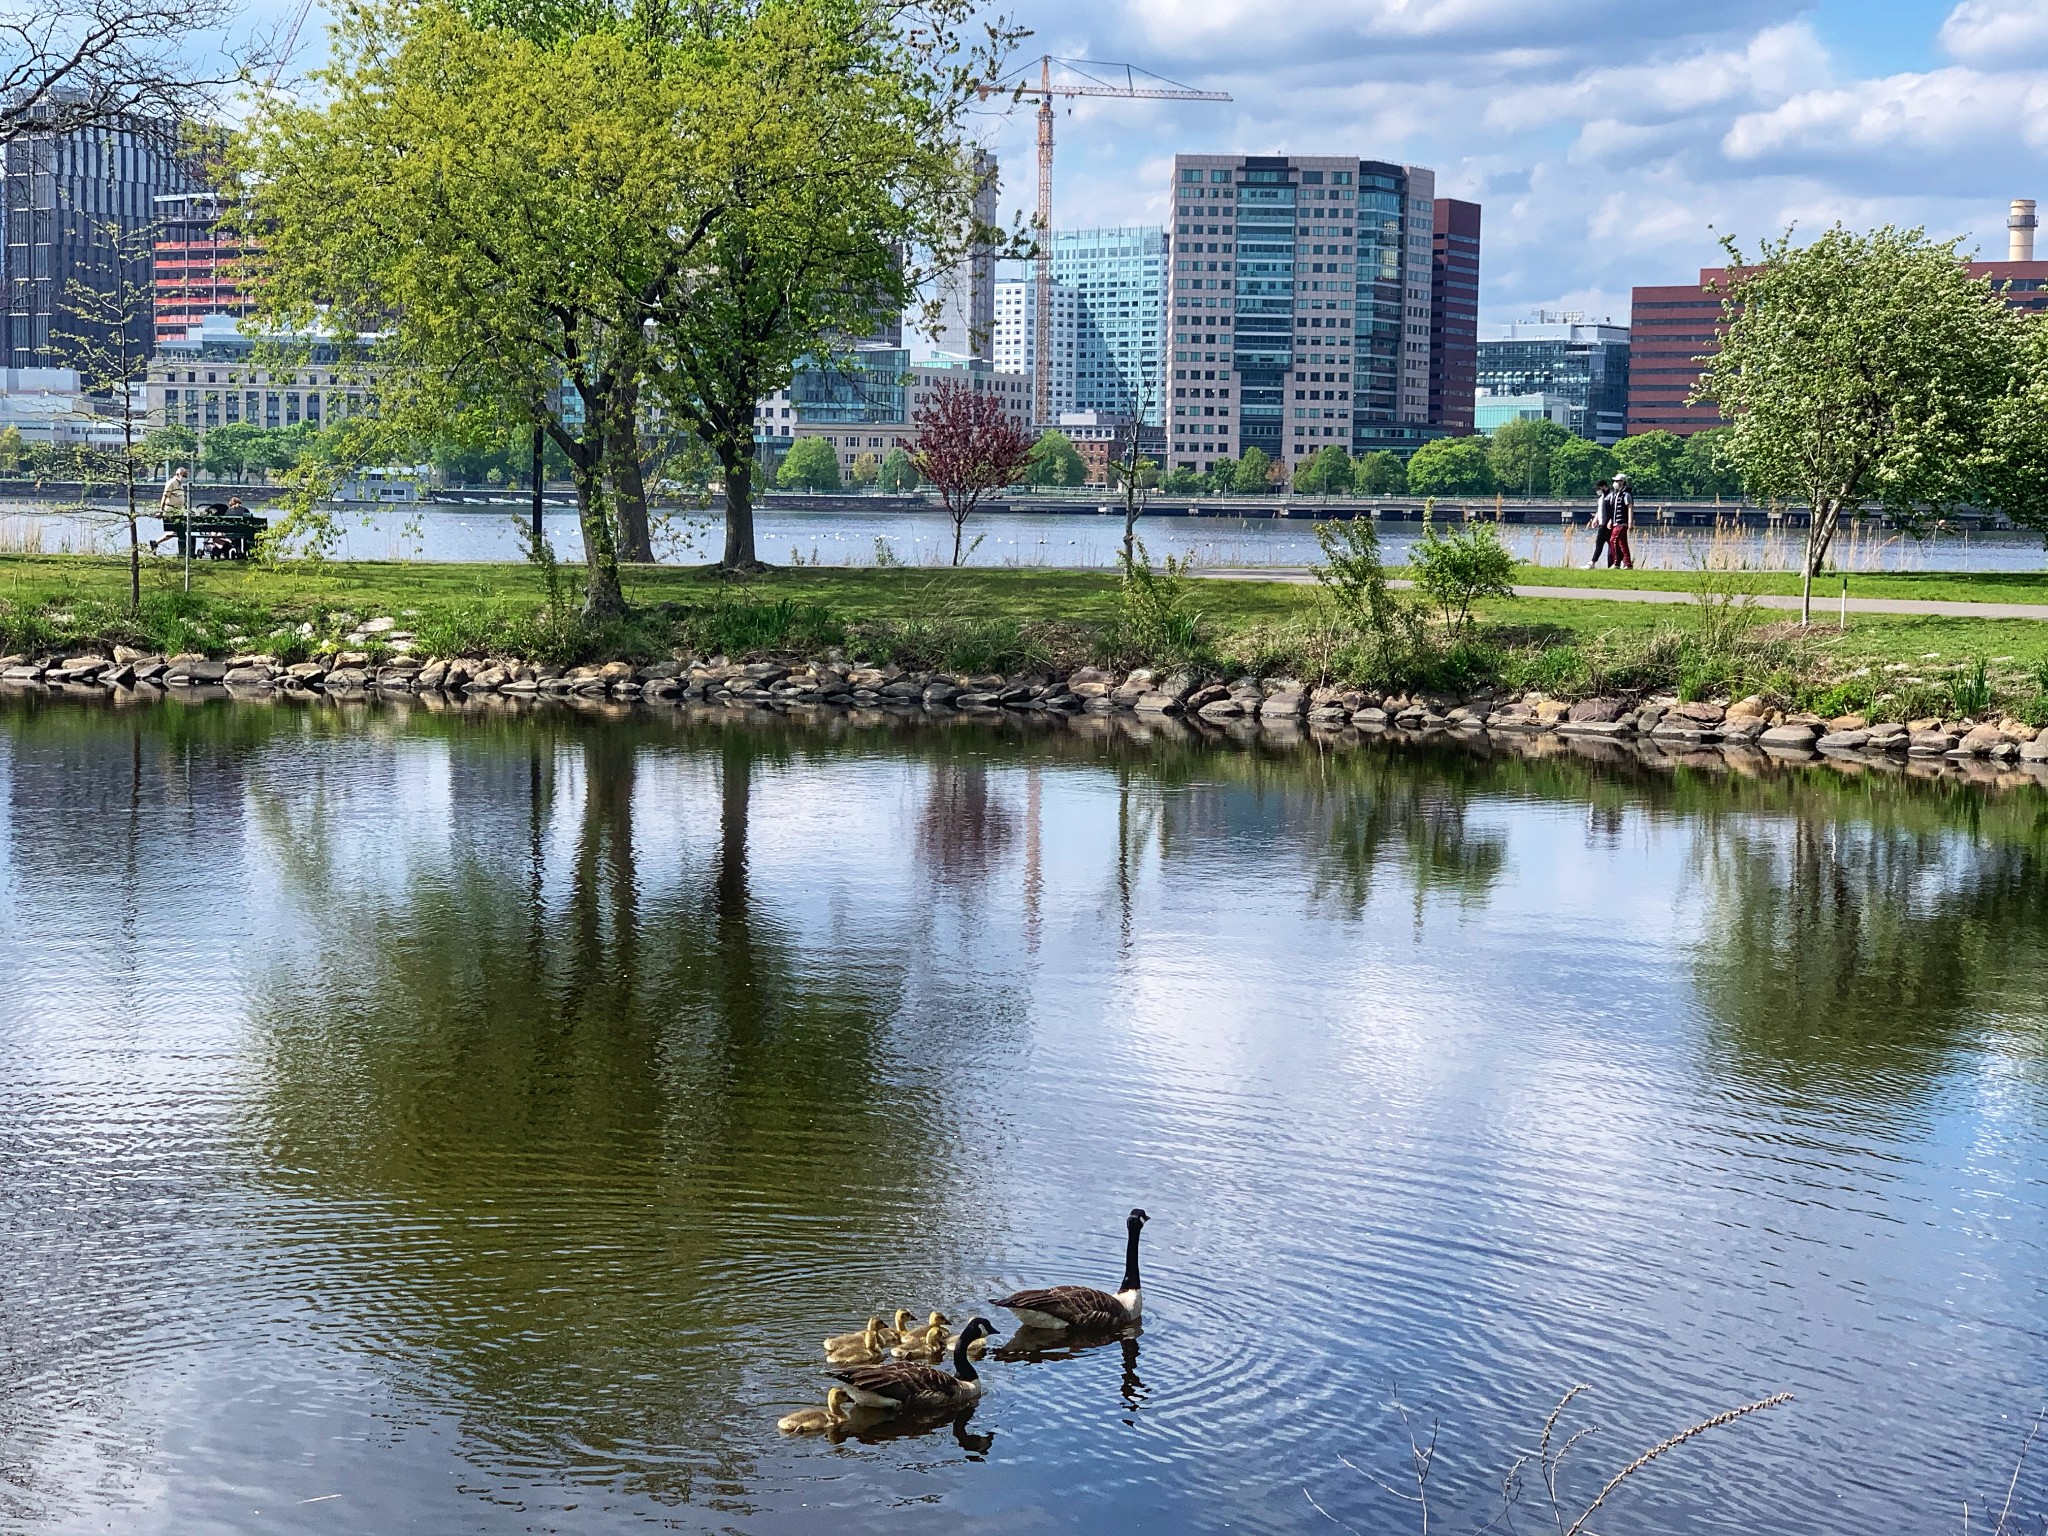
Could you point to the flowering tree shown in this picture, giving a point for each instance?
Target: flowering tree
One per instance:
(966, 447)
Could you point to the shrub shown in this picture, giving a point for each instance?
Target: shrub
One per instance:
(1457, 570)
(1155, 612)
(1970, 691)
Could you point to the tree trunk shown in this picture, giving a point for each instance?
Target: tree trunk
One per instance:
(603, 599)
(739, 509)
(636, 541)
(1820, 533)
(959, 527)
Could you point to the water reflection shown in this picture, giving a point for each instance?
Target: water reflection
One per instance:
(489, 1115)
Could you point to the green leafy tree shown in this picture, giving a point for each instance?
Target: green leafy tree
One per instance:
(1183, 481)
(898, 473)
(1327, 473)
(1703, 467)
(232, 449)
(502, 214)
(1861, 370)
(11, 450)
(162, 447)
(1055, 461)
(810, 465)
(1451, 466)
(867, 469)
(1520, 455)
(1456, 570)
(838, 173)
(2012, 470)
(1379, 473)
(1222, 476)
(1654, 463)
(1254, 473)
(1577, 466)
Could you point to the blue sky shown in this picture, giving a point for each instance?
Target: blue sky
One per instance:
(1606, 139)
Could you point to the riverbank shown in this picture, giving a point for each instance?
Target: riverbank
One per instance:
(359, 621)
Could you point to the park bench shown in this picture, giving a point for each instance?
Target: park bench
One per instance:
(216, 533)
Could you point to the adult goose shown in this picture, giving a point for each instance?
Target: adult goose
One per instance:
(904, 1386)
(1082, 1308)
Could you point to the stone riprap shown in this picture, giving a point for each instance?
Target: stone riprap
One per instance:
(1267, 704)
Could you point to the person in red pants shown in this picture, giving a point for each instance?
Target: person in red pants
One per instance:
(1618, 552)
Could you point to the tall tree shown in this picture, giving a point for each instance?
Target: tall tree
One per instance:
(967, 446)
(1520, 455)
(502, 213)
(1576, 466)
(1654, 462)
(1055, 461)
(1451, 466)
(838, 175)
(1861, 370)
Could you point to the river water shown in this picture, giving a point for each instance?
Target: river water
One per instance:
(413, 1121)
(854, 536)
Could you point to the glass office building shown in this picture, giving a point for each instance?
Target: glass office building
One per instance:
(1118, 279)
(1584, 365)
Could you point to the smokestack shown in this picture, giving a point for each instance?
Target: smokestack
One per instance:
(2019, 237)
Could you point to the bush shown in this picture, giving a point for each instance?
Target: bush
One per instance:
(1156, 619)
(1457, 570)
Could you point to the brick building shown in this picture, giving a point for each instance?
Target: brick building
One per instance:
(1454, 316)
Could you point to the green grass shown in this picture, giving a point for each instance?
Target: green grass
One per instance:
(1009, 620)
(1928, 586)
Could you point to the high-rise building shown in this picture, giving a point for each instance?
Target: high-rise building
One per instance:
(1586, 366)
(194, 264)
(1454, 316)
(75, 208)
(866, 401)
(967, 295)
(1118, 279)
(1303, 287)
(1016, 336)
(1674, 330)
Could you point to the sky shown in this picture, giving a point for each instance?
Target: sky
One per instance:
(1606, 140)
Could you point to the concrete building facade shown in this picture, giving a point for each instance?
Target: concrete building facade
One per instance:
(1584, 365)
(211, 376)
(1301, 307)
(967, 295)
(1016, 335)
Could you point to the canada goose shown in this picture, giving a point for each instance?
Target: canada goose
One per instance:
(813, 1421)
(1082, 1307)
(867, 1338)
(904, 1386)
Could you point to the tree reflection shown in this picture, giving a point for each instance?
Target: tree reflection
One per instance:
(1855, 955)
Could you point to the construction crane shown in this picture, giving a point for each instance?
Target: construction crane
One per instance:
(290, 43)
(1019, 89)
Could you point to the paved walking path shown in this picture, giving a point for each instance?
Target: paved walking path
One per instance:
(1822, 604)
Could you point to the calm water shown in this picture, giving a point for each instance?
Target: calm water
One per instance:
(411, 1122)
(850, 536)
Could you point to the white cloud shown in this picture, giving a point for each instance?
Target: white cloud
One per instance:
(1998, 34)
(1938, 115)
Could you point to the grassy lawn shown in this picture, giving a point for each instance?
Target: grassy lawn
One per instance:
(1932, 586)
(1007, 620)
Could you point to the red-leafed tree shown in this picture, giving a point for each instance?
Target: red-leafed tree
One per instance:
(967, 447)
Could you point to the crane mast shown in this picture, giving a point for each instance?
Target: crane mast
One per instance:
(1043, 92)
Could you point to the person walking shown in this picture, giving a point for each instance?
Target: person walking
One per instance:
(1623, 517)
(1603, 517)
(173, 506)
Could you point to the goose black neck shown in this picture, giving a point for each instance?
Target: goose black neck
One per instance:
(1131, 1261)
(963, 1367)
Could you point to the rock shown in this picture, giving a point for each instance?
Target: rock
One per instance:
(1223, 709)
(2018, 730)
(1930, 723)
(22, 674)
(1751, 708)
(1931, 744)
(378, 626)
(396, 677)
(1371, 715)
(342, 679)
(1157, 704)
(2035, 751)
(1179, 684)
(1798, 736)
(126, 655)
(196, 671)
(1092, 688)
(490, 680)
(941, 693)
(1700, 712)
(1202, 696)
(1284, 706)
(1550, 711)
(247, 677)
(615, 672)
(1843, 741)
(1094, 676)
(432, 675)
(120, 675)
(1847, 723)
(1981, 741)
(1596, 711)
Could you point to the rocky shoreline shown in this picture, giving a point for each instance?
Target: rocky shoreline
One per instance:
(1270, 704)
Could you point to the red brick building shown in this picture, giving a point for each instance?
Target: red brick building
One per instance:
(1454, 316)
(1670, 329)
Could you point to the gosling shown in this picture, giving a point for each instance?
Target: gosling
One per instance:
(816, 1421)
